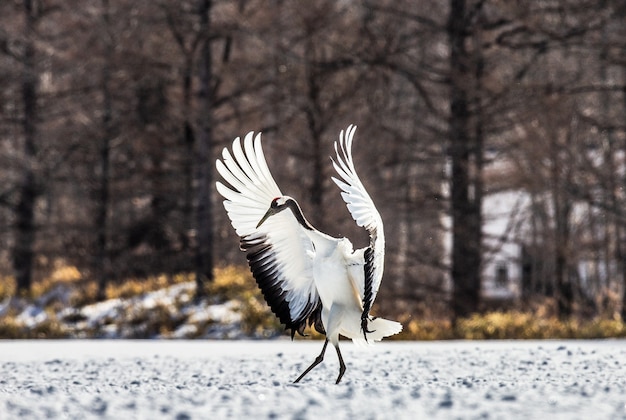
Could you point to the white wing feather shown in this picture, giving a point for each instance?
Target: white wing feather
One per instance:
(284, 256)
(364, 213)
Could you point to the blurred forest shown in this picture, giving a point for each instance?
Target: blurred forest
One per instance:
(112, 113)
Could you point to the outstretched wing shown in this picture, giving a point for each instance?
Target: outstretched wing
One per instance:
(364, 213)
(278, 252)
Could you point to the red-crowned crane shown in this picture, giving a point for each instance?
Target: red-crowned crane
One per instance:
(306, 276)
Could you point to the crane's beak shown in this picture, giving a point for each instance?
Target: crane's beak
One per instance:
(272, 211)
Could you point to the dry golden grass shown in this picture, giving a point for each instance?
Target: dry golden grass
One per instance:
(86, 290)
(236, 284)
(512, 325)
(428, 330)
(7, 287)
(135, 287)
(11, 329)
(231, 281)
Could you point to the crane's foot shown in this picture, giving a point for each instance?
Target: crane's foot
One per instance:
(342, 365)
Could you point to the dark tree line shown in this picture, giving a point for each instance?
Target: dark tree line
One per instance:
(113, 112)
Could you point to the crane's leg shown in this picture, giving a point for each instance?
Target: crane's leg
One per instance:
(316, 362)
(342, 365)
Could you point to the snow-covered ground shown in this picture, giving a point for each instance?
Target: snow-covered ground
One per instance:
(253, 379)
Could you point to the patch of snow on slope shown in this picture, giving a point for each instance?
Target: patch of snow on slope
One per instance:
(139, 317)
(32, 316)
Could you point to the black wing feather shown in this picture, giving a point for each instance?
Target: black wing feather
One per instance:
(265, 271)
(369, 280)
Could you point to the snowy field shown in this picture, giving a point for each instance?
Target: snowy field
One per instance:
(252, 379)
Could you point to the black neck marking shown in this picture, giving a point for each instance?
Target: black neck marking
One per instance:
(297, 212)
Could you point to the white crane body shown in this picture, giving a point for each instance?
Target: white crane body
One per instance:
(306, 276)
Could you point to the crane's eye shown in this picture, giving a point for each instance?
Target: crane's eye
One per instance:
(274, 203)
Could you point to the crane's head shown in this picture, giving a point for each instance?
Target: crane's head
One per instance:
(285, 202)
(277, 205)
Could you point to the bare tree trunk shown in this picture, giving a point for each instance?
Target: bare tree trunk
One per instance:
(620, 253)
(204, 181)
(562, 210)
(188, 45)
(189, 143)
(465, 204)
(313, 120)
(621, 229)
(25, 226)
(609, 182)
(102, 263)
(618, 183)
